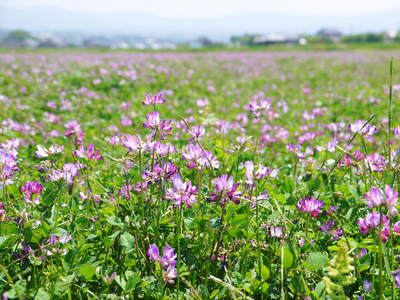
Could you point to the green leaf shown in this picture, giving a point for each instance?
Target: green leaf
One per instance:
(316, 261)
(319, 289)
(264, 272)
(234, 232)
(127, 240)
(121, 282)
(133, 281)
(288, 258)
(41, 295)
(241, 220)
(87, 271)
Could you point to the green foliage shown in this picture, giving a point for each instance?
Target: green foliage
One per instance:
(340, 273)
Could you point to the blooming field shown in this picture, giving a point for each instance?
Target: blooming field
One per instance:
(199, 176)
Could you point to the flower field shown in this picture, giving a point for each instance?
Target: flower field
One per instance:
(225, 175)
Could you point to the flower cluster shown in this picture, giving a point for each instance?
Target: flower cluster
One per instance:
(167, 261)
(376, 197)
(311, 206)
(181, 192)
(90, 153)
(32, 191)
(198, 158)
(226, 190)
(372, 221)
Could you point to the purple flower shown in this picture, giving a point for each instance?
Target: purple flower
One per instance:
(153, 253)
(168, 261)
(169, 257)
(363, 252)
(125, 191)
(164, 149)
(154, 122)
(375, 162)
(31, 188)
(8, 165)
(310, 205)
(53, 240)
(371, 221)
(90, 153)
(126, 121)
(327, 226)
(132, 142)
(276, 231)
(182, 192)
(226, 190)
(362, 127)
(396, 227)
(396, 275)
(73, 128)
(68, 173)
(196, 132)
(376, 197)
(2, 211)
(170, 274)
(199, 158)
(367, 286)
(42, 152)
(151, 99)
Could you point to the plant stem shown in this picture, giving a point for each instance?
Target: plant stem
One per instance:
(381, 287)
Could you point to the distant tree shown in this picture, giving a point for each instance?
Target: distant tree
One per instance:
(17, 36)
(243, 40)
(363, 38)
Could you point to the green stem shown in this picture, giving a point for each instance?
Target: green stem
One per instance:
(381, 287)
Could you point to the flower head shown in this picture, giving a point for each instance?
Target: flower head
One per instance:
(377, 197)
(153, 99)
(226, 190)
(32, 191)
(311, 206)
(90, 153)
(181, 192)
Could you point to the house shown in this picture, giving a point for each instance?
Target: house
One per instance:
(330, 34)
(275, 38)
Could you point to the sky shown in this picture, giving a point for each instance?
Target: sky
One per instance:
(202, 9)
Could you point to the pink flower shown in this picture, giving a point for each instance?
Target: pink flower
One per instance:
(2, 210)
(371, 221)
(197, 131)
(30, 189)
(181, 192)
(226, 190)
(151, 99)
(396, 227)
(153, 253)
(376, 197)
(89, 154)
(199, 158)
(375, 162)
(170, 274)
(154, 122)
(43, 152)
(73, 128)
(310, 205)
(132, 142)
(126, 121)
(168, 261)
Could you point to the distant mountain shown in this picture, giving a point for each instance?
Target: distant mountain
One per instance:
(55, 19)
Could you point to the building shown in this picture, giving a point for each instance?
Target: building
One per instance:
(330, 34)
(275, 38)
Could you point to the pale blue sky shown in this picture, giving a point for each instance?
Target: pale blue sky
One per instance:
(200, 9)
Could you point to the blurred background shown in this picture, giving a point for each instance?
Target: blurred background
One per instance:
(187, 24)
